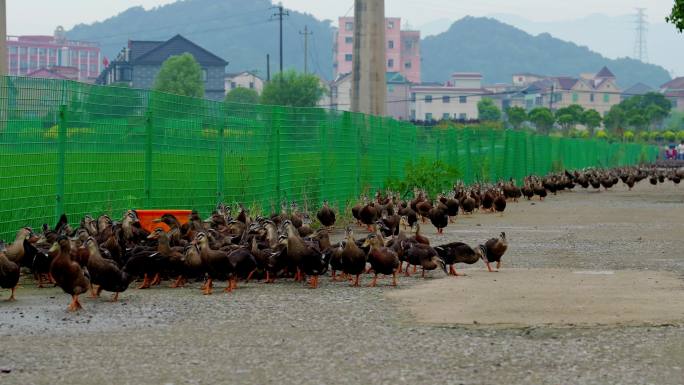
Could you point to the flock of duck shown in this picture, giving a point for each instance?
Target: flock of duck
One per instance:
(101, 254)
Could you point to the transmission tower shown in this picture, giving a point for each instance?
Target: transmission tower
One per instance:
(640, 43)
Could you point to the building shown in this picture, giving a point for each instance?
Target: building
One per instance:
(402, 49)
(28, 54)
(636, 89)
(398, 94)
(55, 72)
(456, 99)
(598, 91)
(139, 62)
(674, 90)
(244, 79)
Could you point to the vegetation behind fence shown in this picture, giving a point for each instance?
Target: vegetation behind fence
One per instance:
(77, 148)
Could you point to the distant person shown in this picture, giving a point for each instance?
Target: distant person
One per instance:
(680, 151)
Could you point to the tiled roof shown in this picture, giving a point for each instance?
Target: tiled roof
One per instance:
(178, 45)
(566, 83)
(638, 89)
(677, 84)
(138, 48)
(605, 73)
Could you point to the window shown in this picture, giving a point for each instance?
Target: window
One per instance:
(390, 44)
(348, 57)
(413, 97)
(93, 68)
(606, 98)
(538, 101)
(413, 114)
(390, 88)
(22, 51)
(428, 116)
(463, 99)
(390, 25)
(529, 103)
(446, 116)
(348, 39)
(233, 85)
(13, 50)
(33, 51)
(591, 98)
(446, 99)
(462, 116)
(333, 91)
(251, 85)
(575, 97)
(349, 26)
(407, 65)
(204, 74)
(428, 98)
(390, 63)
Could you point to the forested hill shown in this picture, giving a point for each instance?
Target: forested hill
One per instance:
(498, 50)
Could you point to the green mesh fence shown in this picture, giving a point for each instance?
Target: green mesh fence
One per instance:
(83, 149)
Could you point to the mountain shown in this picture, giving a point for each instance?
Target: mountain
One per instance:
(498, 50)
(241, 32)
(613, 36)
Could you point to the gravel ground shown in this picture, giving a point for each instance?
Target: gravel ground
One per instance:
(287, 334)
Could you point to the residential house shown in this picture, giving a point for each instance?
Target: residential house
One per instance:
(398, 94)
(456, 99)
(139, 62)
(525, 78)
(402, 49)
(244, 79)
(55, 72)
(635, 90)
(674, 90)
(598, 91)
(27, 54)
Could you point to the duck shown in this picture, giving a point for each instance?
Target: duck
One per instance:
(390, 223)
(423, 209)
(15, 251)
(368, 215)
(424, 256)
(216, 263)
(493, 250)
(499, 202)
(353, 258)
(383, 260)
(326, 216)
(9, 272)
(439, 217)
(457, 252)
(452, 207)
(540, 191)
(105, 273)
(244, 266)
(173, 256)
(304, 257)
(468, 204)
(68, 274)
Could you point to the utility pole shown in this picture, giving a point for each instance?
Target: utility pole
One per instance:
(3, 37)
(551, 98)
(306, 34)
(369, 88)
(268, 67)
(280, 14)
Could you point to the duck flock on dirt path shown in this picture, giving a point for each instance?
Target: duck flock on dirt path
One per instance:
(105, 255)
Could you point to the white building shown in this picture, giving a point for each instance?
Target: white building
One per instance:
(244, 79)
(457, 99)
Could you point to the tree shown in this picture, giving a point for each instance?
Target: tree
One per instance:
(487, 111)
(628, 136)
(542, 118)
(242, 95)
(615, 120)
(655, 115)
(677, 15)
(592, 120)
(516, 116)
(180, 75)
(293, 89)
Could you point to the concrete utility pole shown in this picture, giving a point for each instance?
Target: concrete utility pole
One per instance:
(369, 92)
(3, 37)
(306, 34)
(280, 14)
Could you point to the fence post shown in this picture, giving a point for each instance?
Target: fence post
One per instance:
(61, 161)
(220, 164)
(148, 158)
(492, 155)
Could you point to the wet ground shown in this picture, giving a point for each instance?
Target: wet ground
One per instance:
(288, 334)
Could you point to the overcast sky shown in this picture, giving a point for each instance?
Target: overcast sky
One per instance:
(42, 16)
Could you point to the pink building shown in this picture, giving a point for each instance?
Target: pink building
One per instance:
(402, 49)
(27, 54)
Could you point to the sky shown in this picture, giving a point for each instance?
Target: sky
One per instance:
(23, 15)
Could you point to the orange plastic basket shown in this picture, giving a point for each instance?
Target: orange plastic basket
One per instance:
(147, 217)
